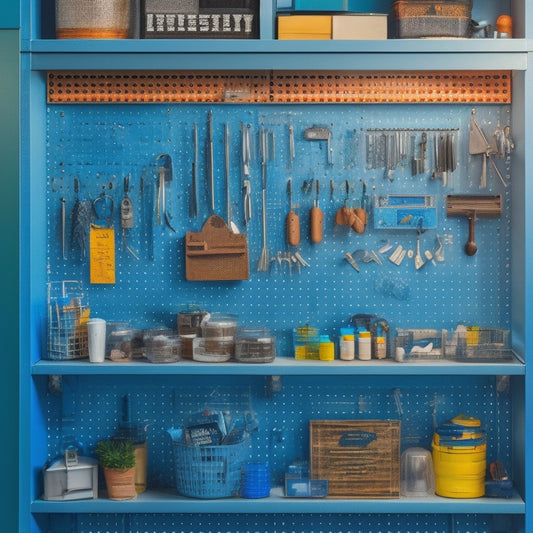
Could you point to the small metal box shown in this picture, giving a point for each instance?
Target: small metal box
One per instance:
(73, 482)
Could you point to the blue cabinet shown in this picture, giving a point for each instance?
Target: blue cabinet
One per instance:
(98, 144)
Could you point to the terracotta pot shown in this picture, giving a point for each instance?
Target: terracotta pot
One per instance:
(120, 483)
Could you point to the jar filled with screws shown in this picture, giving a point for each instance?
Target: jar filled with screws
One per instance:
(255, 346)
(189, 322)
(219, 332)
(162, 346)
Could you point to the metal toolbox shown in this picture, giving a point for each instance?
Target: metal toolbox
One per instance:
(199, 19)
(424, 18)
(71, 482)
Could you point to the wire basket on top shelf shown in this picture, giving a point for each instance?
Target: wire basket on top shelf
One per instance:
(68, 314)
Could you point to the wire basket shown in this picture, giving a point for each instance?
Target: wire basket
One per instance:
(480, 344)
(209, 472)
(68, 314)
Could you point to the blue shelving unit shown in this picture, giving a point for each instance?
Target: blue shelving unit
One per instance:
(59, 142)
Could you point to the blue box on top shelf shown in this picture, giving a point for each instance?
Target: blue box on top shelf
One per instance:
(360, 6)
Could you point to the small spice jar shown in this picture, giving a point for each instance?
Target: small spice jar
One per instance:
(255, 346)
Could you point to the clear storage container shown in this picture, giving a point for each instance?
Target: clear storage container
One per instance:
(255, 346)
(162, 346)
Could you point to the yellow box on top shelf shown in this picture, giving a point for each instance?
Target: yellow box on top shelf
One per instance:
(304, 27)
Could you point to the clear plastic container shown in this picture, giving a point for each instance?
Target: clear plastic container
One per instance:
(417, 477)
(189, 320)
(255, 346)
(202, 354)
(119, 341)
(219, 333)
(162, 346)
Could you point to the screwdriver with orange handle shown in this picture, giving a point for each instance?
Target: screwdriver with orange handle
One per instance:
(316, 219)
(292, 221)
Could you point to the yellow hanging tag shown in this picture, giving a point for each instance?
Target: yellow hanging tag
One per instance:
(102, 254)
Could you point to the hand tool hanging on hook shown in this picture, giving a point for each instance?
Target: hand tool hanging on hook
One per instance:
(81, 217)
(292, 220)
(291, 147)
(164, 176)
(264, 260)
(478, 145)
(193, 200)
(321, 133)
(418, 163)
(63, 226)
(126, 216)
(147, 220)
(246, 157)
(316, 218)
(473, 207)
(103, 207)
(231, 225)
(210, 160)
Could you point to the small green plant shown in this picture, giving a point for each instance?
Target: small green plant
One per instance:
(116, 453)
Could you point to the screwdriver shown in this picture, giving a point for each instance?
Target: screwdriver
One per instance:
(316, 218)
(292, 221)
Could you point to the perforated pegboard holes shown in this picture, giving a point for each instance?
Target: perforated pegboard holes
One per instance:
(280, 87)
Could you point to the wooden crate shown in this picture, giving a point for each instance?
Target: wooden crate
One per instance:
(359, 458)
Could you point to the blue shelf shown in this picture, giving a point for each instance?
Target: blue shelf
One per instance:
(282, 366)
(171, 502)
(261, 54)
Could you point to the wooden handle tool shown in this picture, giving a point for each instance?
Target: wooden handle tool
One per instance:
(316, 219)
(292, 221)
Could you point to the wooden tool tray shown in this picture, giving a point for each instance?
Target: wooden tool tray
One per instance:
(215, 253)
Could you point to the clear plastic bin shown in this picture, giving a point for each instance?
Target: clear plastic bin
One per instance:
(162, 346)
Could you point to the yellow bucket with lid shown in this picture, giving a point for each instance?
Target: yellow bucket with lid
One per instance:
(460, 462)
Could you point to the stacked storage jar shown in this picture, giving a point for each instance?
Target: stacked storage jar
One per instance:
(459, 458)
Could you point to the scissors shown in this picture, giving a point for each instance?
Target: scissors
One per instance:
(103, 207)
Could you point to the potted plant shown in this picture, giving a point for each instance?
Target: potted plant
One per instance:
(117, 457)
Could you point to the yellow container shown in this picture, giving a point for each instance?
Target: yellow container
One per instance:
(304, 27)
(459, 470)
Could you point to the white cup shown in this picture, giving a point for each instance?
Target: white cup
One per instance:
(96, 334)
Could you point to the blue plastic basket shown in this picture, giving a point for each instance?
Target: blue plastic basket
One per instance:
(209, 471)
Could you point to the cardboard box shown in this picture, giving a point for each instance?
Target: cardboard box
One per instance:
(363, 26)
(304, 27)
(359, 458)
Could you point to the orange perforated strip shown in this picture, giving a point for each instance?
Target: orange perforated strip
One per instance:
(393, 87)
(280, 87)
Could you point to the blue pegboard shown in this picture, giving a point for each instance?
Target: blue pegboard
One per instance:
(100, 145)
(252, 523)
(89, 409)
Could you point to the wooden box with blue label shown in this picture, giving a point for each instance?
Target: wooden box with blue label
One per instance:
(359, 458)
